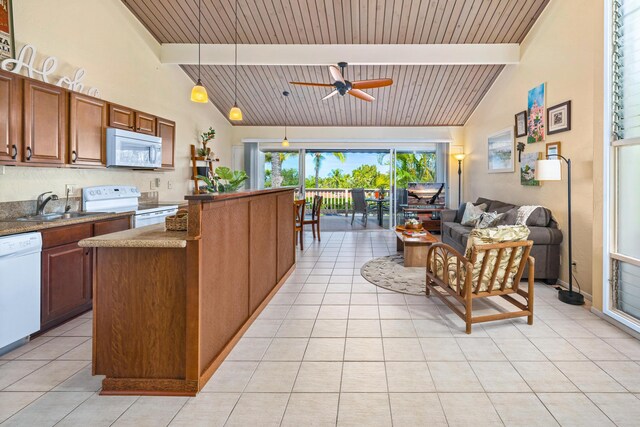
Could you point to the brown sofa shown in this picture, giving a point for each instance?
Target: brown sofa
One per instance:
(543, 231)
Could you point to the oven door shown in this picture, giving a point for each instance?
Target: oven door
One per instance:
(151, 218)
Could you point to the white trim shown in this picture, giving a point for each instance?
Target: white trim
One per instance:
(606, 170)
(625, 259)
(357, 54)
(626, 142)
(633, 332)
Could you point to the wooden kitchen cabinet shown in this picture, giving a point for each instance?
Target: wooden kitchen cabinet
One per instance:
(10, 118)
(87, 122)
(45, 123)
(166, 129)
(111, 226)
(145, 123)
(122, 117)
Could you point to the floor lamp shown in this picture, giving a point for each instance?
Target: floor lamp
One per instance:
(550, 169)
(459, 157)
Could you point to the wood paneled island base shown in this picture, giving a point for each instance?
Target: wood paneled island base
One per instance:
(170, 306)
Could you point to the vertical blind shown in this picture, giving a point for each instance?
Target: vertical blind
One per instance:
(625, 136)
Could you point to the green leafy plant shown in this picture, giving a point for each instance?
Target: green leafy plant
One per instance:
(205, 137)
(225, 180)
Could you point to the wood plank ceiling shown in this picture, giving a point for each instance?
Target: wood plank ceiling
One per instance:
(421, 95)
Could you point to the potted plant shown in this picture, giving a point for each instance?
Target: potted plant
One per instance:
(224, 180)
(205, 152)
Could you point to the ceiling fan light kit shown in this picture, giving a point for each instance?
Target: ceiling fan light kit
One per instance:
(235, 114)
(199, 92)
(342, 87)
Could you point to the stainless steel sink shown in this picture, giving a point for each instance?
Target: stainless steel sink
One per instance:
(57, 216)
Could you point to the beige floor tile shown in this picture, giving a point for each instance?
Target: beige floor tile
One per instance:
(34, 343)
(231, 376)
(47, 377)
(98, 411)
(274, 312)
(295, 328)
(454, 377)
(424, 311)
(499, 377)
(273, 377)
(14, 370)
(364, 299)
(13, 401)
(364, 312)
(409, 377)
(48, 409)
(309, 299)
(603, 329)
(521, 410)
(402, 349)
(626, 373)
(364, 409)
(539, 329)
(596, 349)
(250, 349)
(630, 347)
(259, 409)
(318, 377)
(416, 409)
(363, 328)
(263, 328)
(82, 381)
(431, 328)
(544, 377)
(303, 312)
(391, 299)
(66, 327)
(622, 408)
(504, 329)
(339, 288)
(469, 409)
(519, 350)
(558, 349)
(326, 328)
(336, 299)
(394, 312)
(480, 349)
(325, 349)
(286, 349)
(364, 377)
(311, 409)
(83, 330)
(588, 377)
(363, 288)
(398, 328)
(206, 410)
(53, 349)
(151, 410)
(569, 328)
(334, 312)
(81, 352)
(574, 409)
(441, 349)
(364, 349)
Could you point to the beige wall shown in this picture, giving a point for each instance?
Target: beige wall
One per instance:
(120, 58)
(564, 49)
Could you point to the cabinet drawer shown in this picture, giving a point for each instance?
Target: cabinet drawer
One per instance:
(64, 235)
(106, 227)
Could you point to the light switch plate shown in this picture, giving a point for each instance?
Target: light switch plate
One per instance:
(70, 189)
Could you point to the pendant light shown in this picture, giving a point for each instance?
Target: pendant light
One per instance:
(235, 113)
(285, 141)
(199, 93)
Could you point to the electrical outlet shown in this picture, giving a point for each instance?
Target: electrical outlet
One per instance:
(69, 189)
(169, 185)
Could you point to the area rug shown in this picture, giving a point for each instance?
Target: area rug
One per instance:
(388, 272)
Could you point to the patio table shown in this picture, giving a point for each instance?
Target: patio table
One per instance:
(379, 203)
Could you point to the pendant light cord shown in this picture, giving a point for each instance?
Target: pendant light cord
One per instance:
(285, 115)
(235, 69)
(199, 38)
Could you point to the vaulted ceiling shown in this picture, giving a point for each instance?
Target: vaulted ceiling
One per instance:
(422, 95)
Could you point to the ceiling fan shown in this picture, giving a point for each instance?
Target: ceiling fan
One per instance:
(343, 87)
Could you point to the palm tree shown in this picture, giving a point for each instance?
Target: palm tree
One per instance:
(412, 167)
(335, 178)
(318, 158)
(276, 160)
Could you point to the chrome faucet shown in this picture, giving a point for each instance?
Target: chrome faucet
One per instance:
(42, 202)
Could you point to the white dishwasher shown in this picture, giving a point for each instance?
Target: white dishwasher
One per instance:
(20, 261)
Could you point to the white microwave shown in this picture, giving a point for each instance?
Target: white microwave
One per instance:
(133, 150)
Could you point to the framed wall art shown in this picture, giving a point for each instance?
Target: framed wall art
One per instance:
(528, 169)
(536, 127)
(7, 39)
(559, 118)
(500, 151)
(521, 124)
(553, 150)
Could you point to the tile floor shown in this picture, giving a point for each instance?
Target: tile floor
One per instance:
(332, 349)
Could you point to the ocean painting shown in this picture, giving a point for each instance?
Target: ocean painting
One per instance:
(536, 125)
(528, 169)
(500, 151)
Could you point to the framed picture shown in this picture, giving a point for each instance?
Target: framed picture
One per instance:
(559, 118)
(7, 40)
(500, 151)
(528, 169)
(536, 127)
(521, 124)
(553, 150)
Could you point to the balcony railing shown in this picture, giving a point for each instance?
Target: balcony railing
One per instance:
(336, 200)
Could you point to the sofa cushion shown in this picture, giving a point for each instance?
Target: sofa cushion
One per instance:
(545, 236)
(540, 217)
(472, 214)
(458, 231)
(460, 212)
(500, 207)
(509, 217)
(482, 200)
(489, 219)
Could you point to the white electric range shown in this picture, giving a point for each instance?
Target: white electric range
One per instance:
(125, 198)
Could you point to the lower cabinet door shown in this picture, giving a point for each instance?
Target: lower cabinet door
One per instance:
(66, 283)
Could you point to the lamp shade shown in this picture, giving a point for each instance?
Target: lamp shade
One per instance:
(285, 142)
(549, 170)
(235, 114)
(199, 93)
(459, 156)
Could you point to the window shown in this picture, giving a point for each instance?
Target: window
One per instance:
(281, 169)
(624, 253)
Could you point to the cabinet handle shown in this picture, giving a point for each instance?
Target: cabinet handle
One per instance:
(15, 152)
(74, 156)
(29, 153)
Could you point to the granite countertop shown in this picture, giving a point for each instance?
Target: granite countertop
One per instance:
(9, 227)
(153, 236)
(210, 197)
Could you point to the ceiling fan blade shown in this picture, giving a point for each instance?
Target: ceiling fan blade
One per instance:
(311, 84)
(360, 94)
(336, 74)
(335, 92)
(371, 84)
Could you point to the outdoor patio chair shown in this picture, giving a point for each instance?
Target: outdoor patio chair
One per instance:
(360, 205)
(315, 216)
(492, 266)
(298, 212)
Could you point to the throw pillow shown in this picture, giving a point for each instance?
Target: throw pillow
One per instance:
(509, 217)
(489, 219)
(472, 214)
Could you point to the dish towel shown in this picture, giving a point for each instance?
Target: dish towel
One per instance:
(524, 212)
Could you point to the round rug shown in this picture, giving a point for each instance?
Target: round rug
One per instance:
(389, 272)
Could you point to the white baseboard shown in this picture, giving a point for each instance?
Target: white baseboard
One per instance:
(565, 285)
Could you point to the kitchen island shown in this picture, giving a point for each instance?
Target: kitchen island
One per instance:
(170, 306)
